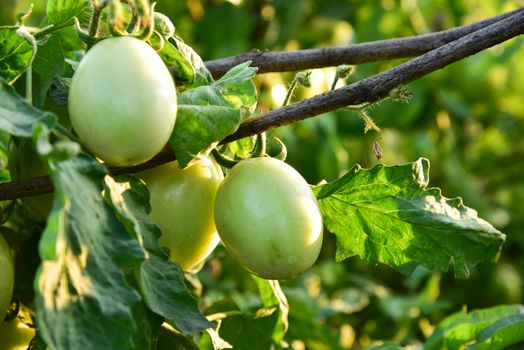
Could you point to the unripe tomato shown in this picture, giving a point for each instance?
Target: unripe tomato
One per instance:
(268, 218)
(15, 335)
(122, 101)
(7, 277)
(182, 207)
(24, 163)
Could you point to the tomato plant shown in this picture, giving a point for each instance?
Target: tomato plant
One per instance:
(122, 101)
(268, 218)
(373, 256)
(24, 164)
(182, 207)
(7, 276)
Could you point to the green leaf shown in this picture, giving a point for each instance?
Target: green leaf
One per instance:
(242, 148)
(163, 25)
(207, 114)
(47, 65)
(172, 57)
(17, 116)
(17, 49)
(493, 328)
(389, 345)
(239, 322)
(273, 296)
(501, 334)
(62, 11)
(202, 75)
(82, 299)
(250, 332)
(160, 280)
(387, 215)
(148, 323)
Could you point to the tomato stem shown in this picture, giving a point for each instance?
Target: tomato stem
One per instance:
(223, 160)
(301, 78)
(29, 84)
(260, 145)
(95, 20)
(51, 28)
(282, 155)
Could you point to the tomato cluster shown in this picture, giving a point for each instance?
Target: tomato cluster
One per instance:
(122, 105)
(265, 214)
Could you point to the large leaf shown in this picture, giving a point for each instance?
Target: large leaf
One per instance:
(47, 65)
(160, 280)
(82, 298)
(387, 215)
(493, 328)
(17, 116)
(207, 114)
(17, 49)
(62, 11)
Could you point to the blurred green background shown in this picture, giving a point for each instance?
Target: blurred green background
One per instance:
(467, 119)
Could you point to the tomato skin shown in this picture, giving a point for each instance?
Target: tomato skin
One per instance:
(15, 335)
(268, 218)
(7, 277)
(182, 207)
(122, 101)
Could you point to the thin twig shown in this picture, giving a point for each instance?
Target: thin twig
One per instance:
(378, 86)
(365, 91)
(287, 61)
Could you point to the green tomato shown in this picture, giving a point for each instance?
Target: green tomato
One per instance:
(24, 163)
(7, 277)
(268, 218)
(15, 335)
(182, 207)
(122, 101)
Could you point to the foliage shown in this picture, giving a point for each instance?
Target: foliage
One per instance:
(95, 267)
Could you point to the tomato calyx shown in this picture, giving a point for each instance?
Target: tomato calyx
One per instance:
(260, 149)
(140, 26)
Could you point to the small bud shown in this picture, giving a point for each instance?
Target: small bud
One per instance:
(344, 71)
(377, 150)
(303, 78)
(400, 94)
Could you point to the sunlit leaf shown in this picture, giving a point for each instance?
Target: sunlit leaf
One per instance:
(17, 49)
(160, 280)
(82, 298)
(493, 328)
(172, 57)
(388, 215)
(61, 11)
(207, 114)
(201, 74)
